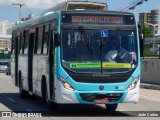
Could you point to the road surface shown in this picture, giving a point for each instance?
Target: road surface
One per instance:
(9, 101)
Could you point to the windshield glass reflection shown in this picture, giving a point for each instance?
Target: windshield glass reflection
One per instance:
(99, 50)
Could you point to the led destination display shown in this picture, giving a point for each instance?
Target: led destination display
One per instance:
(98, 19)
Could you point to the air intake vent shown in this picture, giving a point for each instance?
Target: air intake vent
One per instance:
(112, 97)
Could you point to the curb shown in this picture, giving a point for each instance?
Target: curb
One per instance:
(150, 86)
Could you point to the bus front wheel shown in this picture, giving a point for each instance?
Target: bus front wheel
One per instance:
(111, 107)
(50, 104)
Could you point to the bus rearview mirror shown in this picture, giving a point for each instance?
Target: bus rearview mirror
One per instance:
(56, 40)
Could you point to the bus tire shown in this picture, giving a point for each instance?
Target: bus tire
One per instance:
(111, 107)
(52, 105)
(23, 94)
(43, 88)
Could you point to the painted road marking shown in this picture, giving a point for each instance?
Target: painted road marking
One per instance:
(149, 98)
(130, 113)
(28, 110)
(120, 110)
(11, 99)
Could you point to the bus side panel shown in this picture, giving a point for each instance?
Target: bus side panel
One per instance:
(37, 74)
(30, 62)
(40, 66)
(39, 69)
(23, 67)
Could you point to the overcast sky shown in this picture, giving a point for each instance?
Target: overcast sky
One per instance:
(11, 13)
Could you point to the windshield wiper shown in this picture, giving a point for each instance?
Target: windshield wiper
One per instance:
(110, 37)
(89, 45)
(106, 42)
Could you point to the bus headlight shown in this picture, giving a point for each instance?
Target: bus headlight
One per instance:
(134, 83)
(65, 83)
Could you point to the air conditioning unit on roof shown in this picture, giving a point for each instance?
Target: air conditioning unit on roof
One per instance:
(77, 4)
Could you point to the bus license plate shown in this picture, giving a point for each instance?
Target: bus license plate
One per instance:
(101, 101)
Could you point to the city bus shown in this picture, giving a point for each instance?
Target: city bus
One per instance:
(78, 57)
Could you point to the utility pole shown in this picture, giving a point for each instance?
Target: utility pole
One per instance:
(20, 11)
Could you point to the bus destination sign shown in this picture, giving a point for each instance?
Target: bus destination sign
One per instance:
(97, 19)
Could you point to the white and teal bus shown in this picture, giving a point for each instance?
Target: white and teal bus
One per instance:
(78, 56)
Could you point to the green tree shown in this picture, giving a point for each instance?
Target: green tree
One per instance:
(148, 50)
(147, 31)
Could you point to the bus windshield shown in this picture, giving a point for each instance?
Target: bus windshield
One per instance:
(91, 50)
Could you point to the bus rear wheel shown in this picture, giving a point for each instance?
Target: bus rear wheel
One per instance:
(111, 107)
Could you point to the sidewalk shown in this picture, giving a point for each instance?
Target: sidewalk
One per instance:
(150, 86)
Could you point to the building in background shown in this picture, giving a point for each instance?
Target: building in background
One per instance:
(143, 18)
(5, 46)
(4, 25)
(5, 36)
(151, 19)
(5, 42)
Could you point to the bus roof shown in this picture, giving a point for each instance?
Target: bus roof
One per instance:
(97, 11)
(67, 5)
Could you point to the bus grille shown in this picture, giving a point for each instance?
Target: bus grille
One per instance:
(100, 79)
(112, 97)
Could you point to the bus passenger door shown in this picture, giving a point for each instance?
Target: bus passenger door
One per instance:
(51, 67)
(30, 62)
(16, 60)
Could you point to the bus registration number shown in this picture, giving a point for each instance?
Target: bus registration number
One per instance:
(101, 101)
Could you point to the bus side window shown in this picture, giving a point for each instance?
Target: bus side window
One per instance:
(36, 41)
(40, 38)
(20, 43)
(26, 37)
(45, 39)
(23, 42)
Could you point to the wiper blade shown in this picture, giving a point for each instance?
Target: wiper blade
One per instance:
(89, 45)
(110, 37)
(106, 42)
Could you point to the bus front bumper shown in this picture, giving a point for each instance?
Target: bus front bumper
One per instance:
(65, 96)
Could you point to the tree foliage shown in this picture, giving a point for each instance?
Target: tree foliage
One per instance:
(148, 50)
(147, 31)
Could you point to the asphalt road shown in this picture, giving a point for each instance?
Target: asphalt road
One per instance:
(9, 101)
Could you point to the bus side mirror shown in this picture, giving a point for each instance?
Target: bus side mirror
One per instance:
(141, 41)
(141, 38)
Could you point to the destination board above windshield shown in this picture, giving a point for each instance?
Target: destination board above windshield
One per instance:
(98, 19)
